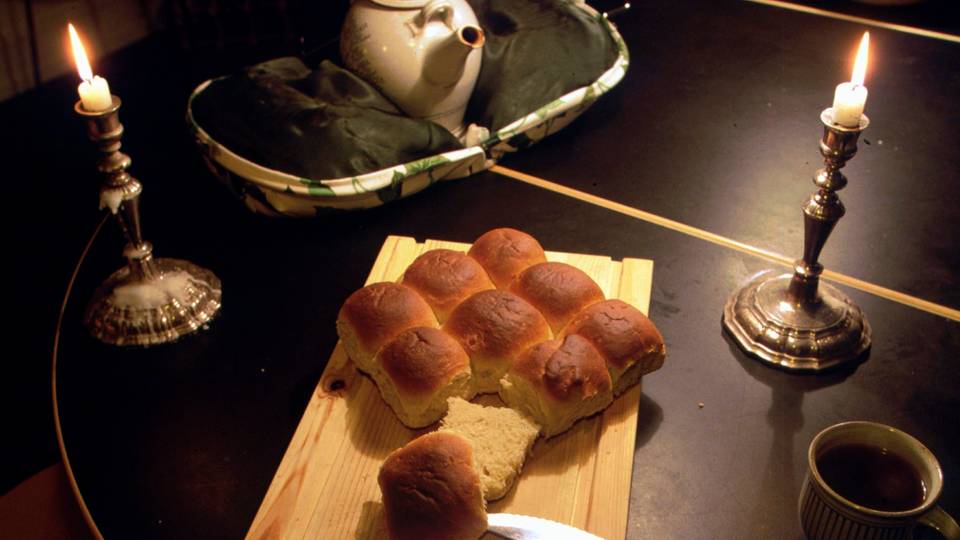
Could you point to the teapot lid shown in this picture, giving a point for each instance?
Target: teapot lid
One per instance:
(407, 4)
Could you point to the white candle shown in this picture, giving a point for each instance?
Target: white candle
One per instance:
(95, 94)
(851, 97)
(94, 90)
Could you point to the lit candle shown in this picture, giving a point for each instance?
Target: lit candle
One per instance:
(850, 97)
(94, 90)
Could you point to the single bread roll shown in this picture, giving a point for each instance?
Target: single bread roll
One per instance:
(501, 440)
(431, 489)
(494, 327)
(625, 337)
(504, 253)
(375, 314)
(558, 290)
(419, 370)
(558, 382)
(445, 278)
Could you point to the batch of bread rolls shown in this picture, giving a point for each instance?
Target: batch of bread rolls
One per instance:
(498, 319)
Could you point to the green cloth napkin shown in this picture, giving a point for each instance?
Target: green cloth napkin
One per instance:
(318, 124)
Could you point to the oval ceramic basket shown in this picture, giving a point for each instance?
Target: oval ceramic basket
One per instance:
(276, 193)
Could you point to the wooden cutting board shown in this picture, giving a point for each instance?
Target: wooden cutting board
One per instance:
(326, 485)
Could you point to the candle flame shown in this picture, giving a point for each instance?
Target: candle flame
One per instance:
(860, 66)
(79, 55)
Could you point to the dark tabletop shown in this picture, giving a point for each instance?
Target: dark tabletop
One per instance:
(715, 125)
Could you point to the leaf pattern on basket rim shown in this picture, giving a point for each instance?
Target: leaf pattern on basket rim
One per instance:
(544, 112)
(358, 186)
(317, 189)
(425, 164)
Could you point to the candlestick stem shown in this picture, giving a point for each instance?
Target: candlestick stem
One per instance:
(823, 209)
(793, 321)
(119, 191)
(149, 301)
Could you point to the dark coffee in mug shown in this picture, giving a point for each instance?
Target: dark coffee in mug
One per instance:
(872, 477)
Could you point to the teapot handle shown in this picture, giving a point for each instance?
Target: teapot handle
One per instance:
(434, 10)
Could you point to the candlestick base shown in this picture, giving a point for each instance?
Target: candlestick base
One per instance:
(770, 323)
(171, 299)
(150, 301)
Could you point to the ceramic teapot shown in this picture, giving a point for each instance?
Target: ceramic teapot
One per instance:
(423, 55)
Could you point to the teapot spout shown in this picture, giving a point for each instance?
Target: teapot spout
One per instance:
(445, 60)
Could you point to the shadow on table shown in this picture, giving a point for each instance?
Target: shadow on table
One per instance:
(649, 418)
(371, 524)
(779, 488)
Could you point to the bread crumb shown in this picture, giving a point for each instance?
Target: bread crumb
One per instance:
(700, 404)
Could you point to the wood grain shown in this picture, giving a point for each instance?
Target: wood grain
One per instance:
(326, 485)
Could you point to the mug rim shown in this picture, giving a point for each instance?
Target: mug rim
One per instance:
(930, 500)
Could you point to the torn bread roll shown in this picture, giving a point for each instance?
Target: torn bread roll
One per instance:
(418, 370)
(374, 315)
(504, 253)
(558, 290)
(445, 278)
(625, 337)
(557, 382)
(494, 327)
(501, 440)
(431, 489)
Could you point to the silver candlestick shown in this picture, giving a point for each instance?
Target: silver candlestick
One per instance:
(150, 300)
(792, 320)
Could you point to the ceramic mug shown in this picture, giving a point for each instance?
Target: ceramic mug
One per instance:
(870, 481)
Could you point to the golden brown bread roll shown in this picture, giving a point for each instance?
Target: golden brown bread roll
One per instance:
(625, 337)
(418, 370)
(558, 382)
(445, 278)
(431, 489)
(494, 327)
(493, 340)
(375, 314)
(558, 290)
(504, 253)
